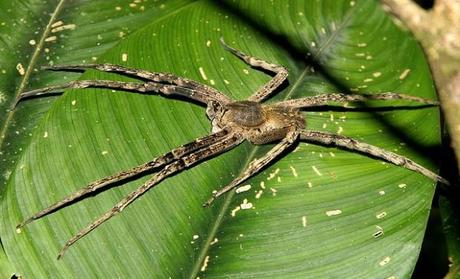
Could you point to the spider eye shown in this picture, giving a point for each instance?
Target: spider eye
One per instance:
(246, 113)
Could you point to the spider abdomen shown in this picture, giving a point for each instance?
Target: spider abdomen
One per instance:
(258, 123)
(277, 123)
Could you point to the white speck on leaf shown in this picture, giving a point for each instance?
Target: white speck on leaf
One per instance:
(381, 215)
(243, 188)
(205, 263)
(294, 172)
(202, 73)
(2, 98)
(316, 171)
(20, 69)
(379, 232)
(404, 74)
(51, 39)
(273, 174)
(246, 204)
(63, 27)
(57, 23)
(333, 212)
(385, 261)
(234, 211)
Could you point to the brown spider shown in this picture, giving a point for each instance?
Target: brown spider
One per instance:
(232, 123)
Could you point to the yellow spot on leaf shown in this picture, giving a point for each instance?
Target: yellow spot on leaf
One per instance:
(384, 261)
(404, 74)
(20, 69)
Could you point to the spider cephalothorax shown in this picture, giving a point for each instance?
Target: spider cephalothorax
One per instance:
(232, 123)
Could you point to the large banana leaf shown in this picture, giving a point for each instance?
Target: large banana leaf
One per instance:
(318, 212)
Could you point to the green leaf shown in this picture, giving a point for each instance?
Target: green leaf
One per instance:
(34, 33)
(450, 221)
(318, 212)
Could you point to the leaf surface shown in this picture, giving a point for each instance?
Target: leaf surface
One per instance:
(319, 212)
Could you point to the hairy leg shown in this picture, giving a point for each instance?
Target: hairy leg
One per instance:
(164, 89)
(352, 144)
(167, 158)
(256, 165)
(281, 73)
(170, 169)
(206, 91)
(331, 98)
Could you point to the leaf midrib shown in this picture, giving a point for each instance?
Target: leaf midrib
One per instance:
(29, 69)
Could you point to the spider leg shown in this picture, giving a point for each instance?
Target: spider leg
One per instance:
(208, 93)
(191, 159)
(166, 158)
(352, 144)
(256, 165)
(281, 73)
(327, 99)
(164, 89)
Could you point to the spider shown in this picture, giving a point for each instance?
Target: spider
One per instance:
(232, 123)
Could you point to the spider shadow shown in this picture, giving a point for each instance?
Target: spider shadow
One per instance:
(432, 152)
